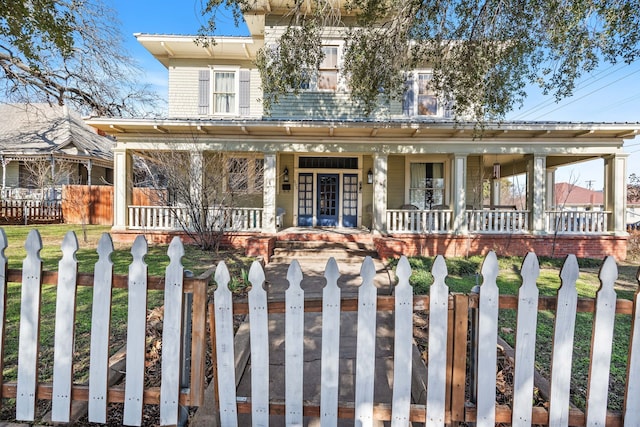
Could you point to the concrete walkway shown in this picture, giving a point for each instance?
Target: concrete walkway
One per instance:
(312, 284)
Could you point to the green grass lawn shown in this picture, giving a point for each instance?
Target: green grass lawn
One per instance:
(464, 275)
(52, 235)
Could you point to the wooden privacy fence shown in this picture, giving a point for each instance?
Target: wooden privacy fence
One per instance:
(30, 211)
(447, 381)
(62, 390)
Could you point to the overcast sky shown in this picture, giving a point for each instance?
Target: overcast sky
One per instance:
(610, 94)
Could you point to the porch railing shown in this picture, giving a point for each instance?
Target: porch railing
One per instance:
(177, 218)
(582, 222)
(498, 221)
(417, 221)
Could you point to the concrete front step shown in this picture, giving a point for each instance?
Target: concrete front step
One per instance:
(323, 245)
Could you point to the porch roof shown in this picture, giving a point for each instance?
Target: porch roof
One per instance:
(371, 129)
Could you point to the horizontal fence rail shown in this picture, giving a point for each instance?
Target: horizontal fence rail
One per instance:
(178, 218)
(578, 222)
(418, 221)
(448, 382)
(100, 392)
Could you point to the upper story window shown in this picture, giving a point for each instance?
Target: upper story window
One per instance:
(427, 103)
(328, 71)
(419, 98)
(224, 91)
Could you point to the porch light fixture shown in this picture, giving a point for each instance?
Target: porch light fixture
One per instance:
(285, 174)
(496, 171)
(369, 177)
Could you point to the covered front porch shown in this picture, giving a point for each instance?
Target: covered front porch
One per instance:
(433, 187)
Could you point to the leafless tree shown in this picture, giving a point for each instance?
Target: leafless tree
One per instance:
(201, 189)
(69, 52)
(44, 173)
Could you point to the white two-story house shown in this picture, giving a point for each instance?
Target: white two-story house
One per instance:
(407, 172)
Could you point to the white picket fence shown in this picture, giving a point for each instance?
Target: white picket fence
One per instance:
(62, 390)
(448, 349)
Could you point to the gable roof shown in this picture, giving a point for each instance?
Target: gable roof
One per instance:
(571, 194)
(44, 129)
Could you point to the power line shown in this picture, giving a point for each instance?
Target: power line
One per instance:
(589, 81)
(574, 100)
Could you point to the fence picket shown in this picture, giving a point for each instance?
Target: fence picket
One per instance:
(527, 320)
(224, 348)
(438, 326)
(402, 346)
(294, 345)
(601, 344)
(64, 328)
(172, 334)
(562, 356)
(631, 408)
(259, 339)
(3, 297)
(136, 334)
(29, 328)
(366, 345)
(330, 363)
(487, 341)
(100, 324)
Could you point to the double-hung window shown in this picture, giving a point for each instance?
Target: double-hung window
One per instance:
(245, 174)
(225, 91)
(426, 187)
(328, 71)
(419, 97)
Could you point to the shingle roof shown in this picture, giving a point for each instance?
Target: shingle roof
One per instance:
(36, 129)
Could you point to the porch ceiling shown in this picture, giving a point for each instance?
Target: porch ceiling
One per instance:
(371, 130)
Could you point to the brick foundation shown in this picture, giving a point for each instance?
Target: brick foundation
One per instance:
(509, 245)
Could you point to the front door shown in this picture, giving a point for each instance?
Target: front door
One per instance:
(328, 192)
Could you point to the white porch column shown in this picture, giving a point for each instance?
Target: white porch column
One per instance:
(536, 192)
(615, 191)
(122, 184)
(269, 194)
(459, 193)
(551, 188)
(196, 186)
(5, 163)
(89, 167)
(380, 192)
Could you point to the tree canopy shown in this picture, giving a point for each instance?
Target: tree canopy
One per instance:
(483, 53)
(68, 52)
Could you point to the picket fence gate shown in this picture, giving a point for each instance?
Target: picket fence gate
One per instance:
(98, 393)
(448, 346)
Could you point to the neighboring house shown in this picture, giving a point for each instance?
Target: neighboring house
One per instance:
(408, 172)
(43, 145)
(574, 197)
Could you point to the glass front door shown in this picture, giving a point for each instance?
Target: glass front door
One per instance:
(350, 200)
(328, 191)
(305, 200)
